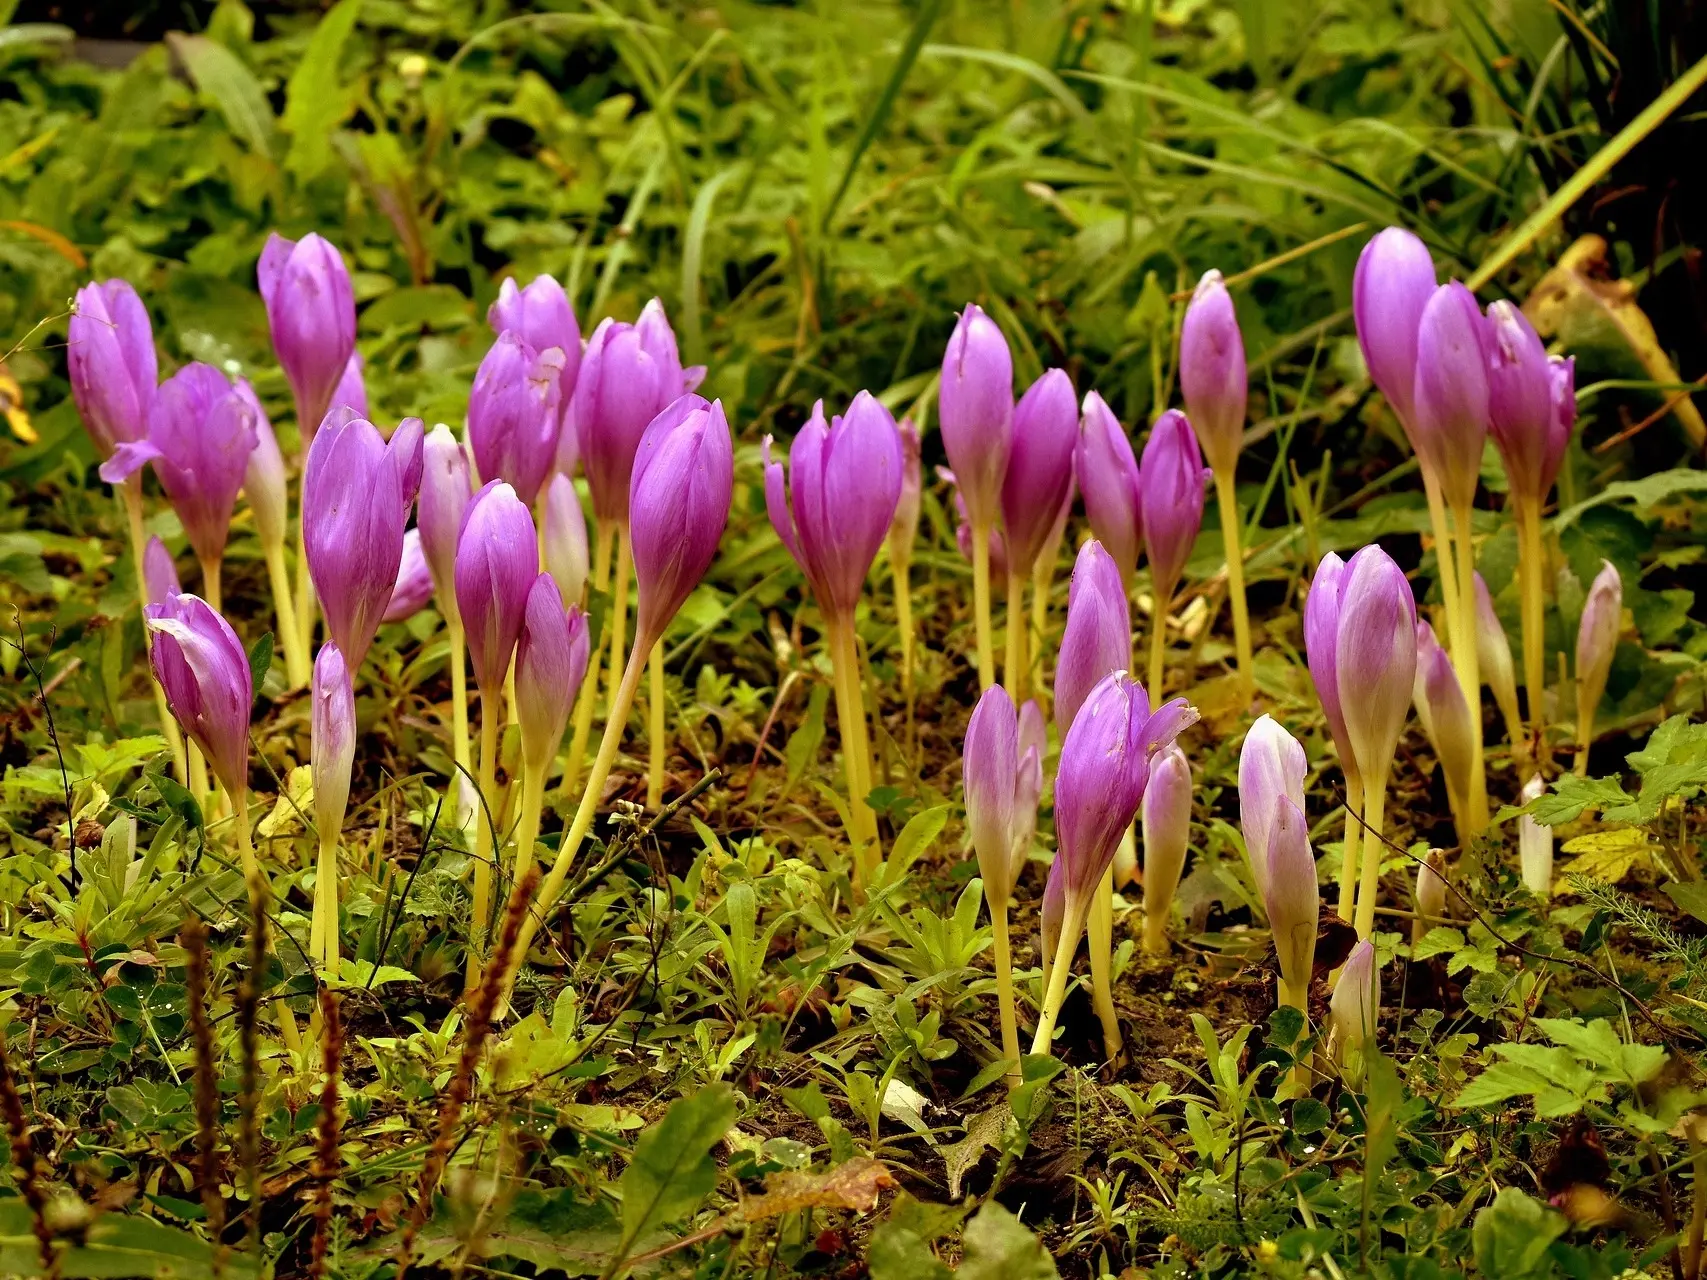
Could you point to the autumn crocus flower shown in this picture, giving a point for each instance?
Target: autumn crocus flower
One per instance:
(832, 512)
(159, 573)
(311, 311)
(1445, 717)
(265, 489)
(1493, 658)
(1213, 379)
(414, 586)
(446, 489)
(1039, 477)
(541, 316)
(1099, 784)
(513, 417)
(629, 374)
(551, 661)
(1167, 835)
(1321, 644)
(1004, 777)
(1597, 642)
(1535, 844)
(1108, 478)
(975, 407)
(357, 490)
(332, 738)
(1271, 770)
(1352, 1011)
(109, 355)
(1293, 902)
(563, 537)
(1170, 488)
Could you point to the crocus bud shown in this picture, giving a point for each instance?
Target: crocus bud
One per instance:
(568, 439)
(1212, 375)
(1429, 900)
(1040, 466)
(332, 739)
(1099, 784)
(991, 768)
(1597, 641)
(1108, 478)
(497, 561)
(513, 414)
(264, 484)
(159, 574)
(904, 527)
(1271, 771)
(1353, 1008)
(1394, 281)
(1167, 834)
(963, 531)
(835, 507)
(1321, 644)
(563, 537)
(1535, 844)
(445, 491)
(1563, 370)
(975, 407)
(312, 314)
(351, 391)
(1520, 403)
(1444, 713)
(357, 489)
(201, 432)
(203, 670)
(1293, 902)
(551, 662)
(1376, 657)
(414, 581)
(542, 317)
(684, 478)
(1052, 541)
(1098, 639)
(1493, 659)
(629, 375)
(1170, 489)
(1033, 746)
(1449, 403)
(110, 357)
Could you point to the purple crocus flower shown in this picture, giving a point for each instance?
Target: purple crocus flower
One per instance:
(311, 311)
(1449, 403)
(445, 493)
(1291, 898)
(351, 391)
(110, 356)
(1170, 488)
(975, 407)
(332, 739)
(1098, 638)
(1271, 770)
(1212, 374)
(1321, 644)
(629, 375)
(834, 508)
(414, 581)
(551, 662)
(204, 671)
(1394, 282)
(1523, 404)
(1003, 769)
(1108, 479)
(497, 560)
(201, 432)
(683, 481)
(513, 414)
(357, 489)
(540, 315)
(563, 537)
(1040, 466)
(159, 573)
(1376, 657)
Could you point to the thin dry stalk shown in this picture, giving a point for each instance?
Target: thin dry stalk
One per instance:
(194, 941)
(249, 1090)
(326, 1132)
(29, 1169)
(461, 1085)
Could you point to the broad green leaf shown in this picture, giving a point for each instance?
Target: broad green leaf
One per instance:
(1598, 1044)
(916, 837)
(804, 742)
(672, 1171)
(1608, 856)
(1690, 896)
(260, 660)
(1513, 1234)
(1000, 1247)
(116, 1245)
(317, 99)
(222, 76)
(1506, 1080)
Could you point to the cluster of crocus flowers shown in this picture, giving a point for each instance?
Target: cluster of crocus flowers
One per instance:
(833, 511)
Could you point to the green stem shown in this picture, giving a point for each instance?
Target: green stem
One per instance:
(1016, 667)
(1232, 538)
(1369, 856)
(1158, 641)
(655, 729)
(981, 605)
(1100, 927)
(491, 718)
(603, 534)
(1531, 572)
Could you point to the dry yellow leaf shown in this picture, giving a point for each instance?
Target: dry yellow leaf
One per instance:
(1608, 856)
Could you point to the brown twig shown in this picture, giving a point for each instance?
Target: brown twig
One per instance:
(29, 1168)
(194, 941)
(249, 1088)
(326, 1131)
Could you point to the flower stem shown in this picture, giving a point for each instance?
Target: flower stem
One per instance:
(527, 826)
(856, 756)
(1470, 673)
(655, 728)
(1232, 538)
(1369, 855)
(1531, 573)
(491, 719)
(981, 604)
(1100, 927)
(603, 533)
(1042, 583)
(461, 751)
(1353, 840)
(901, 569)
(257, 884)
(307, 604)
(1158, 642)
(1072, 924)
(130, 493)
(210, 585)
(1444, 566)
(298, 668)
(1002, 958)
(1016, 666)
(323, 924)
(618, 619)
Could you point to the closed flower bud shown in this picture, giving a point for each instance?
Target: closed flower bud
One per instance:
(204, 671)
(1521, 410)
(332, 739)
(110, 357)
(311, 311)
(445, 492)
(684, 479)
(1444, 713)
(1212, 374)
(1108, 479)
(1033, 746)
(1321, 643)
(1376, 657)
(904, 526)
(351, 391)
(1535, 844)
(357, 489)
(551, 662)
(1098, 638)
(563, 537)
(1449, 406)
(159, 574)
(1167, 835)
(997, 780)
(201, 432)
(1170, 488)
(414, 581)
(975, 407)
(1293, 902)
(497, 561)
(1040, 466)
(1493, 658)
(1394, 282)
(1429, 900)
(513, 414)
(264, 484)
(834, 509)
(1271, 770)
(541, 316)
(1597, 641)
(1352, 1011)
(629, 375)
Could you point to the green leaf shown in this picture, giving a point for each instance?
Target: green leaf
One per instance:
(223, 77)
(115, 1245)
(1690, 896)
(916, 837)
(1000, 1247)
(1512, 1235)
(317, 99)
(804, 742)
(1570, 796)
(672, 1170)
(260, 660)
(1647, 493)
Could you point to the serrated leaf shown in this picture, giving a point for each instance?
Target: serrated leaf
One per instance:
(316, 98)
(1512, 1235)
(1437, 941)
(1608, 856)
(672, 1171)
(1570, 797)
(223, 77)
(1506, 1080)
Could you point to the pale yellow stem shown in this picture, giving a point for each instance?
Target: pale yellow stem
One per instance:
(1353, 839)
(900, 567)
(655, 728)
(298, 668)
(307, 603)
(1016, 667)
(1072, 925)
(981, 605)
(527, 826)
(1100, 928)
(491, 717)
(130, 494)
(856, 758)
(1002, 959)
(1042, 583)
(1232, 539)
(210, 585)
(461, 749)
(258, 903)
(323, 923)
(1532, 578)
(1370, 853)
(1470, 674)
(618, 620)
(1158, 643)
